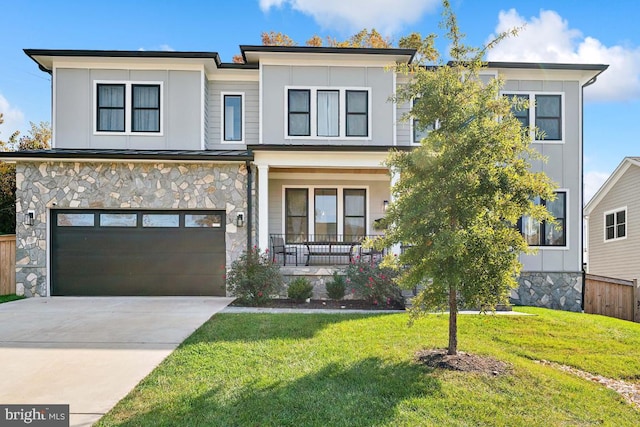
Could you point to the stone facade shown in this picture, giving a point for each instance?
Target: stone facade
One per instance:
(561, 291)
(317, 275)
(42, 186)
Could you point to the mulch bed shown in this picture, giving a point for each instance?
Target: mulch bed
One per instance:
(349, 304)
(465, 362)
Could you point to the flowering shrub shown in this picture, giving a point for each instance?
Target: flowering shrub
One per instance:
(254, 278)
(370, 281)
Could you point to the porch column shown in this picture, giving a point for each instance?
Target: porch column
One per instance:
(395, 176)
(263, 206)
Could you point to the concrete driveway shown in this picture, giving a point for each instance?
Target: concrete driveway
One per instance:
(90, 352)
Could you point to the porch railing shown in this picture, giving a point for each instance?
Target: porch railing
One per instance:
(320, 249)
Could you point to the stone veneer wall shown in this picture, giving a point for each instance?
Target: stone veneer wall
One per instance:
(562, 290)
(45, 185)
(317, 275)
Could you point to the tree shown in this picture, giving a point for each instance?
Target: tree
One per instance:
(460, 194)
(39, 137)
(273, 38)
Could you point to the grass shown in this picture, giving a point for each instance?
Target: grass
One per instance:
(358, 370)
(9, 298)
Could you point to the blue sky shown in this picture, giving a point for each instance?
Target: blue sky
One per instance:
(584, 31)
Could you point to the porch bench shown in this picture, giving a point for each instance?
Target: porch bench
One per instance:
(328, 249)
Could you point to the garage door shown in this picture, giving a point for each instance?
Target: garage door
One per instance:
(137, 252)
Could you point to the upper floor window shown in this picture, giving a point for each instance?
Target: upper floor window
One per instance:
(543, 233)
(328, 113)
(545, 112)
(232, 117)
(128, 107)
(418, 131)
(615, 224)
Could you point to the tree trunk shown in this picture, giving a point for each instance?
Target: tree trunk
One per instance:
(453, 321)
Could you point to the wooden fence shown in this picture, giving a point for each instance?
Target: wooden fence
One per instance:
(611, 297)
(7, 264)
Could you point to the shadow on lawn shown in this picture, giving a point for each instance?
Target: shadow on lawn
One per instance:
(290, 326)
(363, 394)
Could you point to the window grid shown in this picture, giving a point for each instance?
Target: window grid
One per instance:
(146, 110)
(354, 113)
(101, 118)
(543, 233)
(615, 224)
(550, 123)
(302, 112)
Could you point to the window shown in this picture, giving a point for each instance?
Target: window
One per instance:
(232, 117)
(615, 224)
(420, 133)
(296, 214)
(354, 214)
(128, 107)
(328, 112)
(110, 108)
(321, 113)
(202, 221)
(146, 108)
(325, 214)
(299, 112)
(545, 111)
(357, 113)
(538, 233)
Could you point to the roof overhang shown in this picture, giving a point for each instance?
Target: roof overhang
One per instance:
(89, 155)
(320, 55)
(585, 73)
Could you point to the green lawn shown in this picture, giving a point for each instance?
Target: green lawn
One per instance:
(358, 370)
(9, 298)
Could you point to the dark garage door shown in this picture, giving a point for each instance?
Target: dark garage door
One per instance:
(100, 253)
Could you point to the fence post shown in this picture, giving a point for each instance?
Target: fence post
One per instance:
(636, 301)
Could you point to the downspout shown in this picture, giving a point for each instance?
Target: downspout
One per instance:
(249, 204)
(591, 81)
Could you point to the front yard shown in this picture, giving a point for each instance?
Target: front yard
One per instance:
(358, 370)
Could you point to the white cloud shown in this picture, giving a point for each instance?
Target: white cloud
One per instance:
(386, 16)
(593, 180)
(548, 38)
(13, 119)
(166, 48)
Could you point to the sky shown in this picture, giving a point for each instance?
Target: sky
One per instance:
(575, 31)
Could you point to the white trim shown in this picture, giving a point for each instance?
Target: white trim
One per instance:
(128, 107)
(620, 170)
(48, 257)
(242, 117)
(203, 92)
(532, 115)
(260, 97)
(567, 226)
(263, 205)
(339, 205)
(342, 115)
(395, 111)
(615, 224)
(54, 74)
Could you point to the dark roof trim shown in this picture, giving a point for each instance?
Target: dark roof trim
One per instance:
(32, 53)
(340, 50)
(190, 155)
(239, 66)
(363, 148)
(546, 66)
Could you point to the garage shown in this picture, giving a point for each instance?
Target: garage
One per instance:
(137, 253)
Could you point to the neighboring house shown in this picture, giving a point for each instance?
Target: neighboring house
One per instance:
(613, 224)
(165, 166)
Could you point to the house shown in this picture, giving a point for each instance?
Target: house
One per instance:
(165, 166)
(613, 227)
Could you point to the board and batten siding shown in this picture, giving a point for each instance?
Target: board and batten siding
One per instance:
(563, 167)
(75, 108)
(214, 113)
(617, 258)
(275, 78)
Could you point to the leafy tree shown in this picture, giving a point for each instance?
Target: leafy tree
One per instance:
(39, 137)
(273, 38)
(364, 38)
(460, 194)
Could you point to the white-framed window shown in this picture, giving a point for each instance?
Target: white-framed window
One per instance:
(128, 107)
(615, 224)
(543, 233)
(327, 113)
(417, 131)
(232, 120)
(324, 213)
(545, 112)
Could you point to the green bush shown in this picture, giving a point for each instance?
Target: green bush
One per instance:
(373, 283)
(254, 278)
(337, 287)
(300, 289)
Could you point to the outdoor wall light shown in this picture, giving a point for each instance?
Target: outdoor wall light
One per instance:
(240, 220)
(385, 205)
(29, 218)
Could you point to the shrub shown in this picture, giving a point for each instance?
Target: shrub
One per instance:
(300, 289)
(254, 278)
(337, 287)
(373, 283)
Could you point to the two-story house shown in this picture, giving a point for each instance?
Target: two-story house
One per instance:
(165, 166)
